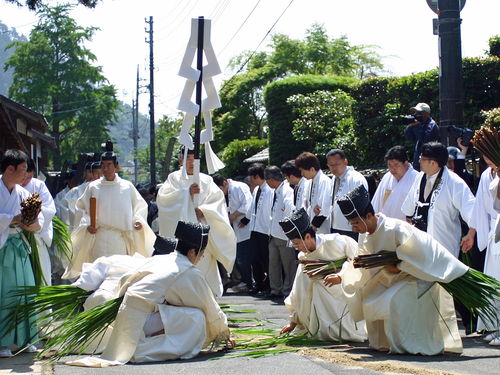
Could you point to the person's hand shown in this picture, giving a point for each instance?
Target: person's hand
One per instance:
(332, 280)
(408, 219)
(317, 210)
(17, 219)
(92, 230)
(288, 328)
(199, 213)
(194, 189)
(392, 268)
(137, 225)
(232, 217)
(462, 147)
(230, 343)
(35, 227)
(467, 243)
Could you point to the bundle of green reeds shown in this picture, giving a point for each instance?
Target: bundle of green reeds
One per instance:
(62, 239)
(319, 269)
(475, 290)
(487, 142)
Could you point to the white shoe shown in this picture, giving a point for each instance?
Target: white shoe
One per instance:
(241, 287)
(491, 336)
(6, 353)
(495, 342)
(31, 349)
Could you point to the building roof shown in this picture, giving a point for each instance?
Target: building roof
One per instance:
(261, 156)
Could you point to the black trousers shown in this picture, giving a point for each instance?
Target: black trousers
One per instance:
(260, 260)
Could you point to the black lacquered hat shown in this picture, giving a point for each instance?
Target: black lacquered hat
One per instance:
(192, 234)
(164, 245)
(108, 153)
(354, 202)
(295, 224)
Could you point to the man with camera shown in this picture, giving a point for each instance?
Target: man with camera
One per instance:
(422, 129)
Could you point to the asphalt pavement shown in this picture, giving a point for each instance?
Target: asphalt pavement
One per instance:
(478, 357)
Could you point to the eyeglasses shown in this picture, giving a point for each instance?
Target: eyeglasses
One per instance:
(355, 224)
(336, 164)
(426, 159)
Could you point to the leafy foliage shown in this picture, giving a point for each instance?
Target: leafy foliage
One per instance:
(237, 151)
(38, 4)
(324, 120)
(53, 74)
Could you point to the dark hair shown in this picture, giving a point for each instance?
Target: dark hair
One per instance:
(367, 210)
(274, 172)
(14, 158)
(435, 151)
(219, 179)
(256, 169)
(396, 153)
(31, 165)
(295, 233)
(334, 152)
(289, 169)
(307, 160)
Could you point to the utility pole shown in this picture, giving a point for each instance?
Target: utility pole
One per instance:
(451, 102)
(135, 116)
(151, 101)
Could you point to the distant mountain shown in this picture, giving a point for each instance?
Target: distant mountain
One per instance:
(6, 37)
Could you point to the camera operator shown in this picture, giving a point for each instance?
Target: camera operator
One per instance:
(423, 130)
(456, 163)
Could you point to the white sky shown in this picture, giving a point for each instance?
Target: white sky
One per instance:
(402, 28)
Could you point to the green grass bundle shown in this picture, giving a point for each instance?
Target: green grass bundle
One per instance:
(30, 242)
(487, 141)
(319, 269)
(62, 240)
(475, 290)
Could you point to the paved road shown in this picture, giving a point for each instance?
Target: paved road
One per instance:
(478, 357)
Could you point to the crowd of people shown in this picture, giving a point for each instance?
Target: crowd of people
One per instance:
(256, 236)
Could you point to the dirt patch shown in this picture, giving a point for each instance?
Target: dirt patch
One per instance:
(342, 358)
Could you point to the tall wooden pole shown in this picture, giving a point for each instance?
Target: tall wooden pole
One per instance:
(199, 86)
(151, 103)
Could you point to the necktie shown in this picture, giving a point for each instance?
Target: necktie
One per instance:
(428, 188)
(257, 199)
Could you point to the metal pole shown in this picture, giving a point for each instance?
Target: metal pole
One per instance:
(136, 129)
(151, 103)
(199, 86)
(450, 68)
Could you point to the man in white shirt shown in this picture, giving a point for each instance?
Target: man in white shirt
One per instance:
(239, 200)
(318, 195)
(437, 197)
(394, 186)
(281, 256)
(345, 178)
(258, 218)
(300, 184)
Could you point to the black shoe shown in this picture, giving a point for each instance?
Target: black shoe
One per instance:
(273, 296)
(254, 291)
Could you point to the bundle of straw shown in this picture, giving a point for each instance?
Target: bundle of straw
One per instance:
(475, 290)
(487, 142)
(319, 269)
(30, 208)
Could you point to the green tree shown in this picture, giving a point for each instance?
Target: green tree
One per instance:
(38, 4)
(166, 132)
(53, 74)
(324, 120)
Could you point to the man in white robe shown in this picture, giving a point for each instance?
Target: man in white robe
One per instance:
(168, 311)
(405, 309)
(14, 255)
(345, 178)
(121, 214)
(43, 238)
(300, 184)
(318, 305)
(318, 194)
(175, 203)
(439, 196)
(395, 185)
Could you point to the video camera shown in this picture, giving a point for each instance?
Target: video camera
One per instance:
(464, 133)
(407, 120)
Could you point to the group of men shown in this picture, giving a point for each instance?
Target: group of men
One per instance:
(259, 229)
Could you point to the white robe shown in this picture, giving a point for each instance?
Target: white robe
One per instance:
(119, 206)
(394, 193)
(10, 206)
(168, 284)
(451, 197)
(61, 211)
(302, 189)
(175, 203)
(322, 310)
(68, 204)
(319, 193)
(406, 312)
(240, 199)
(44, 238)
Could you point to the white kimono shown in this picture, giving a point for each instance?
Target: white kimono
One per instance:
(348, 181)
(61, 211)
(164, 292)
(44, 238)
(240, 199)
(69, 205)
(319, 193)
(301, 191)
(119, 206)
(391, 193)
(322, 310)
(406, 312)
(175, 203)
(451, 197)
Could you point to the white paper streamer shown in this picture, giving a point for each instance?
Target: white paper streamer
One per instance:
(211, 100)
